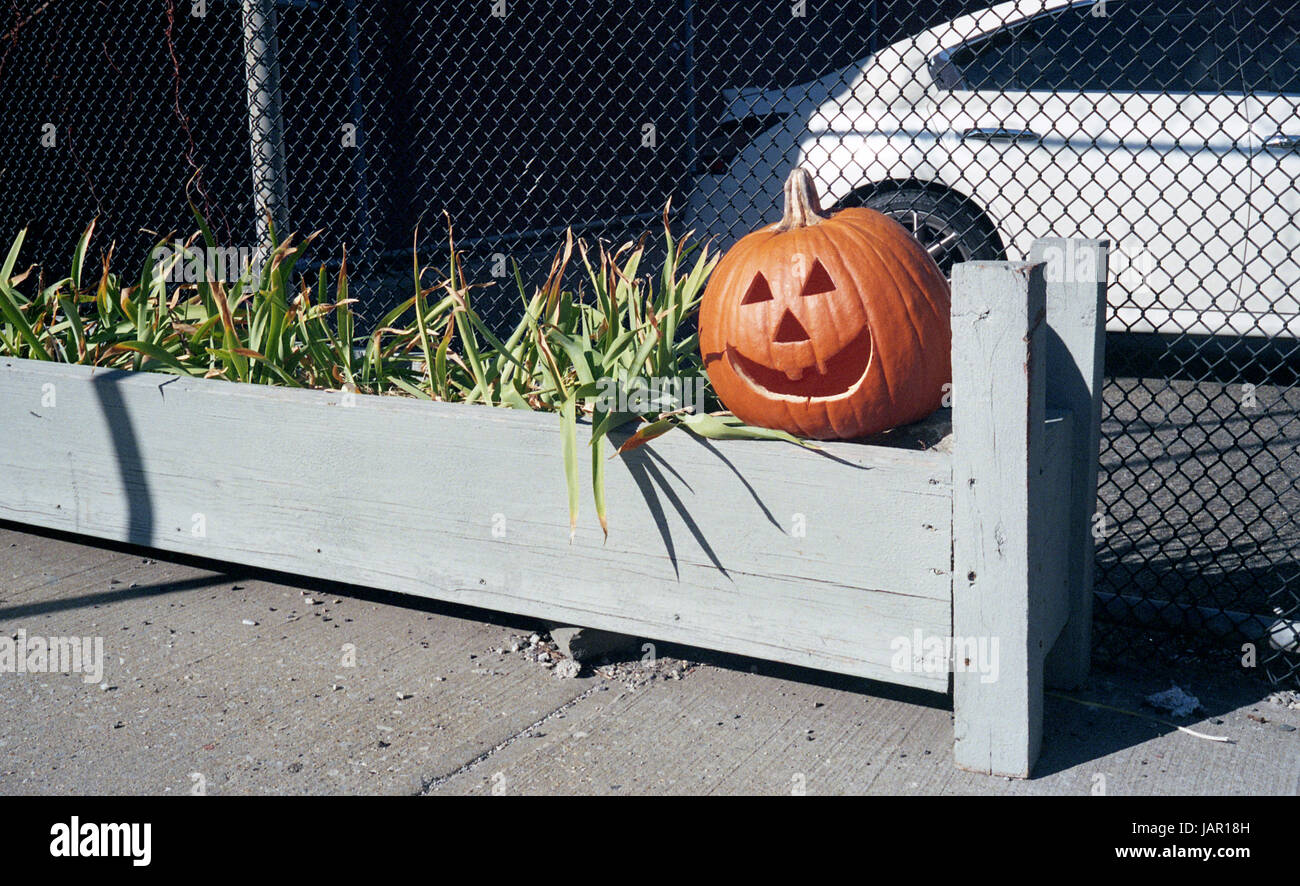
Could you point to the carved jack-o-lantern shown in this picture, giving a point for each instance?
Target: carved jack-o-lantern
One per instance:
(831, 327)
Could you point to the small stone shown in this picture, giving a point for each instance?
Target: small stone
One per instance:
(403, 696)
(250, 622)
(568, 669)
(590, 645)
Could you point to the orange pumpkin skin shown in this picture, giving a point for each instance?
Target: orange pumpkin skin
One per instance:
(834, 328)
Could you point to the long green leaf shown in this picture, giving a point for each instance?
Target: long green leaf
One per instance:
(154, 352)
(569, 433)
(731, 428)
(598, 481)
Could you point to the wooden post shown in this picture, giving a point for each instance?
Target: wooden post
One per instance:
(265, 118)
(999, 452)
(1075, 275)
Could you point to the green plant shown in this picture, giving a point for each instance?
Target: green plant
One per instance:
(583, 355)
(580, 353)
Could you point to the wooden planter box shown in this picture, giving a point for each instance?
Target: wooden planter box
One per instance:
(841, 560)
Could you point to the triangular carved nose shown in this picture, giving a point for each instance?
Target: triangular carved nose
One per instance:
(790, 329)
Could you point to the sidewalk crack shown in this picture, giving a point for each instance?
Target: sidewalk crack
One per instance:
(429, 784)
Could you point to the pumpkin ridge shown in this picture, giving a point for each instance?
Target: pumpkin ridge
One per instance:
(937, 274)
(889, 262)
(920, 286)
(861, 235)
(829, 244)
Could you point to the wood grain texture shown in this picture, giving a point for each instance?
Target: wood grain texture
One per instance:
(1075, 275)
(1050, 495)
(999, 458)
(817, 559)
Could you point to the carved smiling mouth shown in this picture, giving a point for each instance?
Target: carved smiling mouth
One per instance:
(842, 373)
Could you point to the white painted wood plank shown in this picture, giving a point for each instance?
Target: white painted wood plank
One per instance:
(999, 447)
(1075, 273)
(1053, 495)
(749, 547)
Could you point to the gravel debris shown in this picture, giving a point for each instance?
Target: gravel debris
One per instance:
(1286, 698)
(632, 673)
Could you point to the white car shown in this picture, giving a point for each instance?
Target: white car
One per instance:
(1171, 129)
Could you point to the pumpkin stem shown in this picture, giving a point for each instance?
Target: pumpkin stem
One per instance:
(802, 208)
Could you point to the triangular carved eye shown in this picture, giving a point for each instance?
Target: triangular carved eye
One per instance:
(818, 282)
(758, 291)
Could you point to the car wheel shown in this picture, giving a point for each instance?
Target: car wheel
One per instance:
(949, 228)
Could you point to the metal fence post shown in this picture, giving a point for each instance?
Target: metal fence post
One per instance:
(360, 166)
(265, 118)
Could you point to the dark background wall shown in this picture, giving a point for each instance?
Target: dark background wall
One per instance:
(526, 123)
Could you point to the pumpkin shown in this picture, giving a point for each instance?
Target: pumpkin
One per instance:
(827, 326)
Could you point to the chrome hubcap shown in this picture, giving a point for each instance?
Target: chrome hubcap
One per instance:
(939, 238)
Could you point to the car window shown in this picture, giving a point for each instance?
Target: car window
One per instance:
(1135, 47)
(1272, 56)
(991, 63)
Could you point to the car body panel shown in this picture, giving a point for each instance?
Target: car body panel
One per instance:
(1200, 214)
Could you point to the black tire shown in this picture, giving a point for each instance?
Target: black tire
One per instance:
(949, 227)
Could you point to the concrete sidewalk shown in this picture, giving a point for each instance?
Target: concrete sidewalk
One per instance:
(249, 683)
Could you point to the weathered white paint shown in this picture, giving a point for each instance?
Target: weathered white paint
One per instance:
(1075, 276)
(764, 549)
(825, 559)
(999, 458)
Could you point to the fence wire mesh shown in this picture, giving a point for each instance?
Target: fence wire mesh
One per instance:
(1170, 128)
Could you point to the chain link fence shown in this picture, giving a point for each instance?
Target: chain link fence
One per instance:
(1170, 128)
